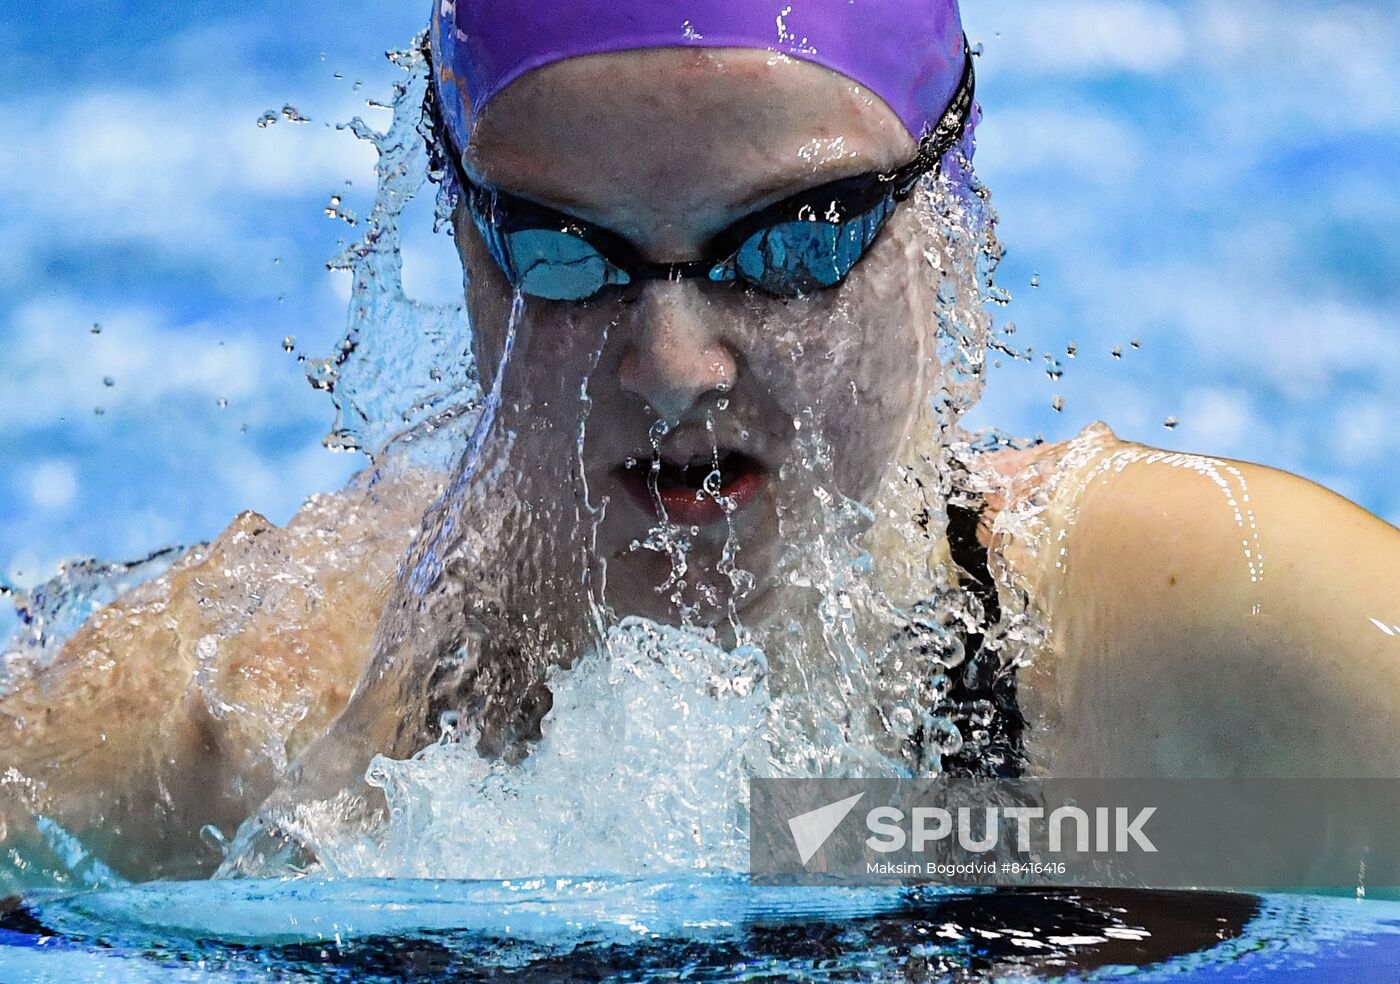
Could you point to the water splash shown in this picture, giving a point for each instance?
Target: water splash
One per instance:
(402, 378)
(853, 676)
(50, 613)
(641, 756)
(591, 797)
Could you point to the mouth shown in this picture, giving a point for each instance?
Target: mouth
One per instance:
(697, 492)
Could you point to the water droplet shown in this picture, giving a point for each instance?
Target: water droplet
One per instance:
(99, 411)
(96, 329)
(1058, 403)
(267, 119)
(223, 403)
(289, 343)
(1116, 352)
(1170, 423)
(1072, 349)
(292, 115)
(1035, 280)
(1136, 343)
(946, 737)
(108, 381)
(214, 839)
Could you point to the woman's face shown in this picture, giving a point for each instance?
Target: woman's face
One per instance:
(643, 389)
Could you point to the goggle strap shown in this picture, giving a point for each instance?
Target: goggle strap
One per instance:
(945, 135)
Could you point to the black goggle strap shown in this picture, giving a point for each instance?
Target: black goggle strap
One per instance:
(945, 135)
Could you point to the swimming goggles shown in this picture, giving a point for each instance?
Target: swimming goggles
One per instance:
(807, 242)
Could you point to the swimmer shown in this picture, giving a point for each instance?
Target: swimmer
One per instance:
(708, 247)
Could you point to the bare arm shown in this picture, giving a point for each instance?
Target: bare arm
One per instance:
(1212, 618)
(180, 704)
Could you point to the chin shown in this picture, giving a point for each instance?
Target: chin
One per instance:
(639, 583)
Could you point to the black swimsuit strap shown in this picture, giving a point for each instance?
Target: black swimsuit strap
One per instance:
(981, 678)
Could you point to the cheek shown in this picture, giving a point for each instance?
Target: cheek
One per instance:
(858, 357)
(556, 345)
(488, 298)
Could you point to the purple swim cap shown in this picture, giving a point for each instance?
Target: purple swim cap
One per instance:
(910, 53)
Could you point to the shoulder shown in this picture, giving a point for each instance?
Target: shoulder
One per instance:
(1206, 615)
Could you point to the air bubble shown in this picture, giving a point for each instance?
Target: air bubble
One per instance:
(214, 839)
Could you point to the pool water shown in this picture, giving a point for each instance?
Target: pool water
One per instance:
(705, 928)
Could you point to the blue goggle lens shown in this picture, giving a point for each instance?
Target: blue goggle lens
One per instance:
(551, 264)
(793, 258)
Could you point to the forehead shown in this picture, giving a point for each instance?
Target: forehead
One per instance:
(687, 127)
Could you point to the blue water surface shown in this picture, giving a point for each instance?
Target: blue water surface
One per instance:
(708, 928)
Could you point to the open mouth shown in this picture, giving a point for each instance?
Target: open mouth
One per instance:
(697, 492)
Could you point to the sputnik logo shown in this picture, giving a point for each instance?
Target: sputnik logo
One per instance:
(811, 830)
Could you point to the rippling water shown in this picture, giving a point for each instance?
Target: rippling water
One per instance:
(705, 928)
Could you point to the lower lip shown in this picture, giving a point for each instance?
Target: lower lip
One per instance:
(684, 507)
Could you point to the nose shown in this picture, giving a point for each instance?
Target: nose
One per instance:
(675, 353)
